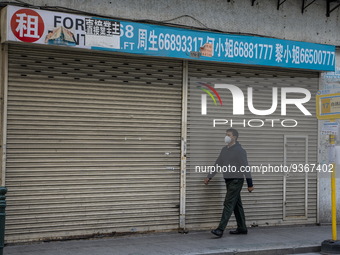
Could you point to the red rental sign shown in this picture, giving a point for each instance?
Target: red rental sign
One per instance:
(27, 25)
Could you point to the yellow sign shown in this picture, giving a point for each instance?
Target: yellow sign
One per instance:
(328, 106)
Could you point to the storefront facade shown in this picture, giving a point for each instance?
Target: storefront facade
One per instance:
(98, 141)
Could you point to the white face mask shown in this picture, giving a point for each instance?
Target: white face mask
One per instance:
(227, 139)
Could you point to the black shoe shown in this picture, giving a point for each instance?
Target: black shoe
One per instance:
(217, 232)
(238, 232)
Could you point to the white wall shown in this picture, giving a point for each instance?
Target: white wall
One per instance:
(237, 16)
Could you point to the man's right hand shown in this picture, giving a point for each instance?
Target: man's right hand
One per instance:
(206, 181)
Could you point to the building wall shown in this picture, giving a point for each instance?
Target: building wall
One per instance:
(235, 16)
(329, 83)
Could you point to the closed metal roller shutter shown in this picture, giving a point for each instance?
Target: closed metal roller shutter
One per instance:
(264, 145)
(93, 143)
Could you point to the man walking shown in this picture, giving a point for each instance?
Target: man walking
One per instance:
(232, 156)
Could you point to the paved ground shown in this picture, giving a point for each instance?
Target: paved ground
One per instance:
(259, 241)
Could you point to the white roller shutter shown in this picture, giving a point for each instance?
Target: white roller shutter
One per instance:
(93, 143)
(264, 145)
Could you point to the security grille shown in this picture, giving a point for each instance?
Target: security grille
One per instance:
(93, 143)
(264, 145)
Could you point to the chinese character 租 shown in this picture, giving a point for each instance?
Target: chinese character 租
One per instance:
(29, 24)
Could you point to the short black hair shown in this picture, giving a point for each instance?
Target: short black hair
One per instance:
(233, 131)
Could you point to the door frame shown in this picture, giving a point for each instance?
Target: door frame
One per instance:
(285, 175)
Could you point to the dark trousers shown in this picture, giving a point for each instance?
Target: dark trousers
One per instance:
(233, 203)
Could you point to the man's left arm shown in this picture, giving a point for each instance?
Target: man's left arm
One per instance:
(244, 162)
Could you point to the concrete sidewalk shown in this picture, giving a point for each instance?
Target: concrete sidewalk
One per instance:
(259, 241)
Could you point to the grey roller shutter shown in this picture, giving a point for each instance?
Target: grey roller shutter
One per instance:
(264, 145)
(93, 143)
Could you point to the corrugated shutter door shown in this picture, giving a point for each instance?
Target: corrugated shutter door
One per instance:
(93, 143)
(264, 145)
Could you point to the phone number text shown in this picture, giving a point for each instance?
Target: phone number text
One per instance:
(223, 47)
